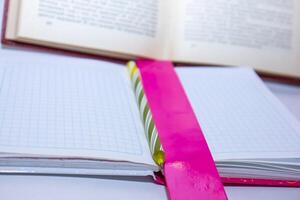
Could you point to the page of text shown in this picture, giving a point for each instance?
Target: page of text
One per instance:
(131, 27)
(263, 33)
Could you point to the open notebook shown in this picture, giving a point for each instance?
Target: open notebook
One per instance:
(88, 118)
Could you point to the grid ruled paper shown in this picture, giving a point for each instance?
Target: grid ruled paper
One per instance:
(83, 110)
(240, 118)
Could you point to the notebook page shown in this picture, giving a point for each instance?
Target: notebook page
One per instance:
(70, 107)
(240, 118)
(289, 95)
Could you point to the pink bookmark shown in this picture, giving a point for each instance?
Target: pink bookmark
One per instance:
(189, 169)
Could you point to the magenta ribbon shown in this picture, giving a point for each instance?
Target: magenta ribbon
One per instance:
(189, 169)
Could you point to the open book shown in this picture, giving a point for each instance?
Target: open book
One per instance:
(262, 34)
(93, 119)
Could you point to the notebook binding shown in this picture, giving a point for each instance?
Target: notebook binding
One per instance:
(146, 115)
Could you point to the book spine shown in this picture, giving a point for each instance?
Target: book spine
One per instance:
(146, 116)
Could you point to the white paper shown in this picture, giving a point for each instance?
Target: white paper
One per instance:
(240, 118)
(70, 107)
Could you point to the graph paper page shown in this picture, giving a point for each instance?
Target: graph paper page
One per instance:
(73, 108)
(240, 118)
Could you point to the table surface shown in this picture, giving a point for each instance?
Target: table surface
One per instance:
(53, 187)
(59, 187)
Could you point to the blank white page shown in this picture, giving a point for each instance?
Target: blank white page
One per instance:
(70, 107)
(239, 116)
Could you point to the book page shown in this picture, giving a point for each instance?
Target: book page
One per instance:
(263, 34)
(60, 107)
(133, 28)
(239, 116)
